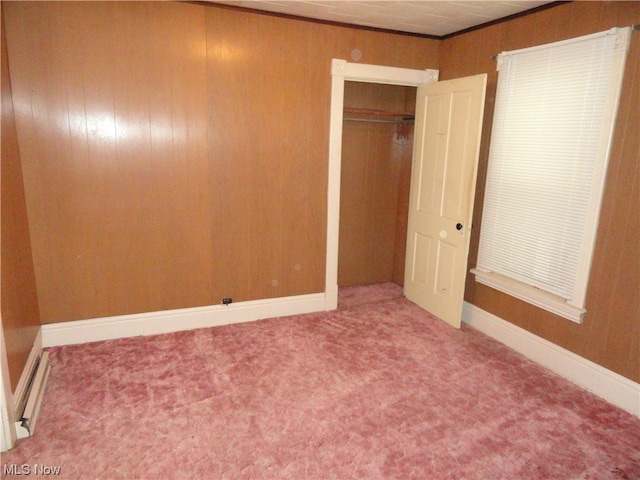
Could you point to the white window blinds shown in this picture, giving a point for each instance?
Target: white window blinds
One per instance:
(553, 120)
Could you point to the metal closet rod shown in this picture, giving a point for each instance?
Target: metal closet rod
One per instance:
(375, 120)
(382, 113)
(406, 117)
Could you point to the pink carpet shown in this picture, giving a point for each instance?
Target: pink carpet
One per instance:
(376, 390)
(350, 297)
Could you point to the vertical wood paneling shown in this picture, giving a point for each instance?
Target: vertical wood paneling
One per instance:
(96, 174)
(319, 91)
(134, 163)
(271, 122)
(20, 314)
(178, 180)
(232, 76)
(353, 241)
(628, 144)
(404, 152)
(617, 247)
(375, 163)
(176, 154)
(113, 205)
(609, 335)
(82, 154)
(297, 143)
(269, 140)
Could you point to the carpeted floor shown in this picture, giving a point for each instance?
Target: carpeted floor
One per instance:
(377, 389)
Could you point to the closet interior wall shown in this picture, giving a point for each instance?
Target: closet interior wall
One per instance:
(375, 179)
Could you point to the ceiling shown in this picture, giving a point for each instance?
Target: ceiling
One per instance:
(426, 17)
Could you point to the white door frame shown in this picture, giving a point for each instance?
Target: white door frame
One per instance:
(342, 71)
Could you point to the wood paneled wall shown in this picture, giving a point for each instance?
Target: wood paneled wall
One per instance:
(18, 299)
(610, 334)
(374, 196)
(175, 154)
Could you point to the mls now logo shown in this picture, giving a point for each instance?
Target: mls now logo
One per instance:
(35, 469)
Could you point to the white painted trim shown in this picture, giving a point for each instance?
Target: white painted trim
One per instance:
(342, 71)
(8, 433)
(22, 389)
(362, 72)
(168, 321)
(614, 388)
(7, 409)
(333, 187)
(545, 300)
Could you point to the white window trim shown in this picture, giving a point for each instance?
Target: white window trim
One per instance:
(539, 298)
(574, 309)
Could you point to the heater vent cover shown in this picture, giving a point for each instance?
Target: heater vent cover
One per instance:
(26, 424)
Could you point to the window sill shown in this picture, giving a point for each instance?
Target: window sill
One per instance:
(547, 301)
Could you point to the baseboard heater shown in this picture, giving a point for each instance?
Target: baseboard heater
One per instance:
(29, 407)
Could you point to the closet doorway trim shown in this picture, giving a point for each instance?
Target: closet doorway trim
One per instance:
(342, 71)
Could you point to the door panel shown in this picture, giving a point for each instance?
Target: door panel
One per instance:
(445, 162)
(422, 259)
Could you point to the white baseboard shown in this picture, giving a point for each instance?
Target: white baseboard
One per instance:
(609, 385)
(22, 389)
(168, 321)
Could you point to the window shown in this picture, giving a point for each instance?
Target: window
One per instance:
(552, 128)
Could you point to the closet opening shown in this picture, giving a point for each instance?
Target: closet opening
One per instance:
(377, 147)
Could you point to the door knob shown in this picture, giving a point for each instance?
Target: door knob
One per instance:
(458, 226)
